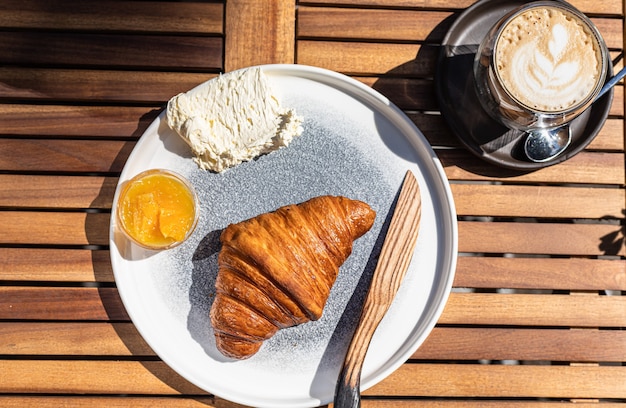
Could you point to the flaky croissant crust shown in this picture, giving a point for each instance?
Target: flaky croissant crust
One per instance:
(276, 270)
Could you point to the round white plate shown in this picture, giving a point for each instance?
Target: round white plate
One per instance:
(356, 144)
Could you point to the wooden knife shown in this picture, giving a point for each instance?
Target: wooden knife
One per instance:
(394, 260)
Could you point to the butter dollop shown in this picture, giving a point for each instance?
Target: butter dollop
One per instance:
(232, 118)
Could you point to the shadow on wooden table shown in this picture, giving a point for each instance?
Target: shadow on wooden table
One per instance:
(613, 244)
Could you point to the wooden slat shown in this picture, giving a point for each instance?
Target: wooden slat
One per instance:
(402, 25)
(539, 238)
(100, 377)
(391, 61)
(365, 58)
(110, 156)
(180, 17)
(101, 304)
(523, 344)
(55, 265)
(216, 402)
(406, 93)
(535, 309)
(393, 402)
(587, 6)
(26, 227)
(470, 199)
(79, 401)
(128, 51)
(92, 156)
(59, 228)
(610, 137)
(18, 190)
(95, 85)
(259, 33)
(123, 121)
(75, 339)
(444, 343)
(379, 24)
(65, 265)
(540, 273)
(434, 379)
(585, 167)
(69, 120)
(61, 303)
(537, 201)
(376, 402)
(504, 381)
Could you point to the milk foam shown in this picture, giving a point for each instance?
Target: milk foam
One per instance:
(548, 59)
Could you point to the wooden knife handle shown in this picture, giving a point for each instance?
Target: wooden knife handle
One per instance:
(394, 260)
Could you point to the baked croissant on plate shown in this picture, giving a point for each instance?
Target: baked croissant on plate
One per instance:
(276, 270)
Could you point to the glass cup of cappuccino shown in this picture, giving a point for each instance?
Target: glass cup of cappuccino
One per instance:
(540, 66)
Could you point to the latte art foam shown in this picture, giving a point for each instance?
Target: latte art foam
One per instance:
(548, 59)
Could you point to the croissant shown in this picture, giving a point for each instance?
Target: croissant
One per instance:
(276, 270)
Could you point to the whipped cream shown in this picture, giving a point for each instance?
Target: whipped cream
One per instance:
(231, 119)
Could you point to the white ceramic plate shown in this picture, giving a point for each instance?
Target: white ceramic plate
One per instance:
(356, 144)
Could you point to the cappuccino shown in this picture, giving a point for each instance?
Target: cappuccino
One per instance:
(548, 59)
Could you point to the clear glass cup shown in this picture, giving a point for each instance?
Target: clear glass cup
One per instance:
(499, 98)
(157, 209)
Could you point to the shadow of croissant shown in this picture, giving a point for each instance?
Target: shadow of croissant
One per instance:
(202, 293)
(346, 326)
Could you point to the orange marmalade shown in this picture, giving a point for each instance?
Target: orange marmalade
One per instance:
(157, 209)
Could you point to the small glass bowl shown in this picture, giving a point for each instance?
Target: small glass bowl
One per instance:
(146, 183)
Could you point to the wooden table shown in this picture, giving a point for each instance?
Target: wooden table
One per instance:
(538, 311)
